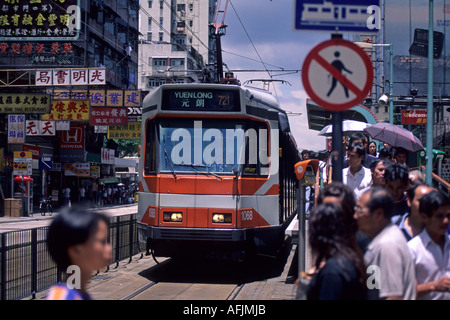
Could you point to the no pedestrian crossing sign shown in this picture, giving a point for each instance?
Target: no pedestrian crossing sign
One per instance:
(337, 74)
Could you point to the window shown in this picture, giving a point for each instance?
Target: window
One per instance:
(161, 4)
(177, 62)
(149, 36)
(156, 82)
(149, 23)
(159, 62)
(161, 21)
(161, 36)
(150, 3)
(150, 149)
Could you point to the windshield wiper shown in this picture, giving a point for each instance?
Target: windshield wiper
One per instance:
(170, 162)
(195, 166)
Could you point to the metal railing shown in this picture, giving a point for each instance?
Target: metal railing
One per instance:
(26, 267)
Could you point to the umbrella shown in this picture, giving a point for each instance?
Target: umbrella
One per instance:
(348, 126)
(394, 135)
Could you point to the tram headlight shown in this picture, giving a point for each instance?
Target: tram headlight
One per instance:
(221, 218)
(173, 217)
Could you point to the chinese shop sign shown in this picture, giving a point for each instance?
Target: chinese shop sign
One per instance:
(16, 128)
(108, 116)
(131, 131)
(69, 110)
(40, 128)
(115, 98)
(39, 20)
(63, 77)
(81, 169)
(414, 116)
(24, 103)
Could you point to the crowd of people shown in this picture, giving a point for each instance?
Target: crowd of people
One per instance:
(381, 233)
(101, 195)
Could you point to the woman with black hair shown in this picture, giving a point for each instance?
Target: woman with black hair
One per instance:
(78, 242)
(340, 269)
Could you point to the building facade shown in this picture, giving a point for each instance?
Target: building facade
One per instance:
(66, 69)
(174, 45)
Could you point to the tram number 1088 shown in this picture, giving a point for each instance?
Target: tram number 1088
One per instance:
(247, 215)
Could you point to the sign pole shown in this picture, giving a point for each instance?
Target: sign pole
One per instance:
(429, 144)
(337, 156)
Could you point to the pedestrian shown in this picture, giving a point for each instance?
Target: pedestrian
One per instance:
(340, 273)
(341, 194)
(377, 168)
(416, 175)
(82, 193)
(397, 182)
(357, 177)
(387, 153)
(373, 149)
(431, 248)
(78, 243)
(401, 154)
(387, 255)
(411, 223)
(66, 194)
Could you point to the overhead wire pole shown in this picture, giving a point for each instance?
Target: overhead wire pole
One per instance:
(429, 144)
(217, 30)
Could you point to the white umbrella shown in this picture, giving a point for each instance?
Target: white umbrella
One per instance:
(348, 126)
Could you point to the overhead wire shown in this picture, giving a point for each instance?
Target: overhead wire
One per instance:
(254, 47)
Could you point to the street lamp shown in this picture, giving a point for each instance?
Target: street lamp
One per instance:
(391, 79)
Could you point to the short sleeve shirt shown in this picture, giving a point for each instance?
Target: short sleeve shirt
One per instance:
(431, 262)
(360, 182)
(389, 253)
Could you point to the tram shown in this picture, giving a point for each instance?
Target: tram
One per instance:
(216, 172)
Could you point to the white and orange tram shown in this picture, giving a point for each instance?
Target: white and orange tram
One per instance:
(216, 172)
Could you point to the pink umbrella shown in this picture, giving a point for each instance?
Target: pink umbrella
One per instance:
(394, 135)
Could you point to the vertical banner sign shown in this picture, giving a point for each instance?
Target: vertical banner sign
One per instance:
(72, 144)
(16, 128)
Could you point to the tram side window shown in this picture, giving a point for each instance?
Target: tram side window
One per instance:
(150, 150)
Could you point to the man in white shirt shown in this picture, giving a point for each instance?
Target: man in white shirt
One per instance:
(357, 177)
(431, 248)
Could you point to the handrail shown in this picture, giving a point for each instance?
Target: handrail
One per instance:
(435, 177)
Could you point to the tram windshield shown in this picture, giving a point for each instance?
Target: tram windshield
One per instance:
(213, 146)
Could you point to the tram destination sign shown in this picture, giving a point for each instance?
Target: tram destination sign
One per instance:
(201, 100)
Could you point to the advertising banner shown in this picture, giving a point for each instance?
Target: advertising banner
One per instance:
(29, 103)
(414, 116)
(131, 131)
(16, 128)
(77, 169)
(108, 116)
(69, 110)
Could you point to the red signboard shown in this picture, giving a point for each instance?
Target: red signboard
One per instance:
(108, 116)
(414, 116)
(73, 138)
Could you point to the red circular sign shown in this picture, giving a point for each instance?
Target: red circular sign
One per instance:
(337, 74)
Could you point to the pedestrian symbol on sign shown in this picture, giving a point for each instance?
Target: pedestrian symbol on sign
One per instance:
(339, 67)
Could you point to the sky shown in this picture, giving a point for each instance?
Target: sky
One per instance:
(270, 26)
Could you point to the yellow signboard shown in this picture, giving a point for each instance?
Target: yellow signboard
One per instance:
(68, 110)
(131, 131)
(22, 154)
(29, 103)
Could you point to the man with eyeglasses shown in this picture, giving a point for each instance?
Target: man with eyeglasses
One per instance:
(388, 252)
